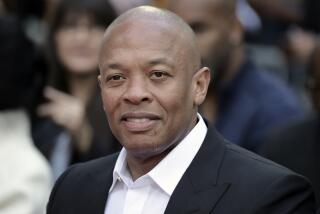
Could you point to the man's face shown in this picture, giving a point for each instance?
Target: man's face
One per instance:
(212, 29)
(147, 87)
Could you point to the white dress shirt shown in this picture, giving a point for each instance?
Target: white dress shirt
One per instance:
(151, 192)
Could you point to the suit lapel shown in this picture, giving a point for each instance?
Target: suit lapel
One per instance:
(101, 180)
(198, 190)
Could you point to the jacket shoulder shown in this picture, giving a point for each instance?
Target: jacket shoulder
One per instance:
(268, 187)
(82, 187)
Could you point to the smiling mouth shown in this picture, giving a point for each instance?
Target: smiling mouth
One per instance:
(139, 122)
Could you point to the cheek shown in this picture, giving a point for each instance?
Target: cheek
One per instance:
(178, 99)
(207, 43)
(61, 50)
(66, 58)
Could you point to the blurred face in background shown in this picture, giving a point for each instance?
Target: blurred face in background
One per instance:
(78, 42)
(213, 28)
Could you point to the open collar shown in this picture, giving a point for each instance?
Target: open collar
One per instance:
(200, 189)
(169, 171)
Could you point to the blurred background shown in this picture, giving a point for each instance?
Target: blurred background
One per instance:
(265, 62)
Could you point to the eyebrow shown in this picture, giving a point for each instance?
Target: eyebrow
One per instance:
(161, 61)
(115, 66)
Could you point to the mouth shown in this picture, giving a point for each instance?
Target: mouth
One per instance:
(139, 121)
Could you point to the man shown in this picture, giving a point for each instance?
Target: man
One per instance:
(244, 102)
(152, 84)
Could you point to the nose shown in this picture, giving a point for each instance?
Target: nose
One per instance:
(81, 33)
(137, 92)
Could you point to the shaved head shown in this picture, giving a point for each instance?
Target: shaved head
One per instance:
(151, 81)
(156, 14)
(181, 33)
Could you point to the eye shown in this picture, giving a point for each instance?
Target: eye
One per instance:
(158, 75)
(115, 77)
(114, 80)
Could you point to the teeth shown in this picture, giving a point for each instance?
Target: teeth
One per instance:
(138, 120)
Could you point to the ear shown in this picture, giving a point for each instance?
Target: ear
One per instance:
(201, 79)
(100, 84)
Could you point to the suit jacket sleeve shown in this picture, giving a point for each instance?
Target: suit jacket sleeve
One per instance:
(50, 205)
(290, 194)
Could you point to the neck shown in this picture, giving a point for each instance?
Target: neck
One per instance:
(234, 64)
(82, 87)
(141, 165)
(209, 108)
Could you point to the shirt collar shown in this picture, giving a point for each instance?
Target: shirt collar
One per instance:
(120, 170)
(168, 172)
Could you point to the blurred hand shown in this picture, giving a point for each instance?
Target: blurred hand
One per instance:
(70, 113)
(64, 109)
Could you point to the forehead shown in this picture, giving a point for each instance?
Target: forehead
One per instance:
(144, 39)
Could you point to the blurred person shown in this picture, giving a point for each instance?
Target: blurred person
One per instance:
(298, 44)
(32, 15)
(247, 16)
(265, 46)
(288, 25)
(25, 178)
(2, 9)
(152, 83)
(296, 145)
(276, 17)
(74, 127)
(244, 102)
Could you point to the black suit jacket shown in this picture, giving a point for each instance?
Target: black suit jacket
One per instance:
(297, 146)
(222, 179)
